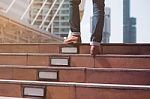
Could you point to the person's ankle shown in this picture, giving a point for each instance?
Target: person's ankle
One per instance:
(94, 50)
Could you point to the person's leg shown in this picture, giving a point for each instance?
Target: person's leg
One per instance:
(74, 22)
(97, 25)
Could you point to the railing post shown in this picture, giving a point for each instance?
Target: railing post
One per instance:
(47, 13)
(39, 12)
(26, 10)
(11, 4)
(55, 15)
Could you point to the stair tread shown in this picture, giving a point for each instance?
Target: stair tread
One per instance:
(76, 74)
(106, 44)
(12, 98)
(77, 60)
(57, 54)
(111, 48)
(88, 85)
(76, 68)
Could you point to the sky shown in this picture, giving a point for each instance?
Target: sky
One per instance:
(139, 9)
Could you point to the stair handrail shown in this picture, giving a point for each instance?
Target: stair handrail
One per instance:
(38, 12)
(9, 7)
(21, 18)
(47, 14)
(55, 15)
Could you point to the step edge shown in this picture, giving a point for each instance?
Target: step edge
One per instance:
(77, 68)
(73, 84)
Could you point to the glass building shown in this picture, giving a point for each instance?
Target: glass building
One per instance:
(129, 24)
(60, 25)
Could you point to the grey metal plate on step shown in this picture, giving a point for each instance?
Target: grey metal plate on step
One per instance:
(48, 75)
(69, 49)
(59, 61)
(34, 91)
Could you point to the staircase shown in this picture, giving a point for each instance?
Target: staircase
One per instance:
(59, 71)
(41, 67)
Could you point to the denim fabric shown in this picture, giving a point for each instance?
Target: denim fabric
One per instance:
(97, 22)
(74, 16)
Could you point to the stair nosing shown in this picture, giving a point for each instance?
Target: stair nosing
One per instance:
(74, 84)
(59, 54)
(77, 68)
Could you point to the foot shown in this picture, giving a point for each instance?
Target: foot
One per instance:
(74, 39)
(94, 50)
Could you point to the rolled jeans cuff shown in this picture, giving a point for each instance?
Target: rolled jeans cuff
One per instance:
(75, 33)
(94, 43)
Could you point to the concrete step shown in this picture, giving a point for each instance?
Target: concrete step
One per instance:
(44, 48)
(55, 90)
(12, 98)
(76, 74)
(76, 60)
(120, 48)
(29, 48)
(75, 49)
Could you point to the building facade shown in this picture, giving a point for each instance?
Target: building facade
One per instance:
(107, 26)
(60, 25)
(129, 24)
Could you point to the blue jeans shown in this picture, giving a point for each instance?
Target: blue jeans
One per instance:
(97, 22)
